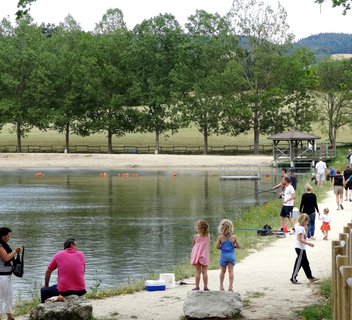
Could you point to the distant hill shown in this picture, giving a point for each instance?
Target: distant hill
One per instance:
(328, 43)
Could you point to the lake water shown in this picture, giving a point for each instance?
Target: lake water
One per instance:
(126, 226)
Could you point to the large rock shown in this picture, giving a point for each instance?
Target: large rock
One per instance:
(212, 304)
(73, 308)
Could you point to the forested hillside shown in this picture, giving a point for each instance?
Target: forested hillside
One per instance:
(328, 43)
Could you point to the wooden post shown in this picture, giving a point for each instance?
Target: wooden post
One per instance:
(340, 262)
(343, 237)
(349, 284)
(336, 250)
(348, 231)
(346, 272)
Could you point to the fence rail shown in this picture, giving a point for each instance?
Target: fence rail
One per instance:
(225, 149)
(342, 274)
(180, 149)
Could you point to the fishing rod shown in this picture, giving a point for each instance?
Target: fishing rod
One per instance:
(259, 190)
(249, 195)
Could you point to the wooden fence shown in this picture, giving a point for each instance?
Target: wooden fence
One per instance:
(342, 274)
(224, 149)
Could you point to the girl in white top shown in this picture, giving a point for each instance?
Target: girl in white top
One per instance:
(300, 247)
(325, 227)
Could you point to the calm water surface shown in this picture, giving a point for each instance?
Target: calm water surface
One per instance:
(126, 226)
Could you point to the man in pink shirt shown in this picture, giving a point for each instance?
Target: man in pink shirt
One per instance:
(71, 265)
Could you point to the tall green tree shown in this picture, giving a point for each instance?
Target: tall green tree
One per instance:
(296, 77)
(21, 76)
(265, 35)
(112, 115)
(206, 50)
(334, 95)
(112, 21)
(73, 80)
(152, 57)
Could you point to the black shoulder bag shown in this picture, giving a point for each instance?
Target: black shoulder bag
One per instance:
(18, 264)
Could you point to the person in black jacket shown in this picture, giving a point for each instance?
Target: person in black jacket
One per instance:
(309, 206)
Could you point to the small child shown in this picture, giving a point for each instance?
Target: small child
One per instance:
(325, 227)
(227, 242)
(200, 256)
(300, 247)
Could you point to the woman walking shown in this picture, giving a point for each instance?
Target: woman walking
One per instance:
(309, 206)
(337, 181)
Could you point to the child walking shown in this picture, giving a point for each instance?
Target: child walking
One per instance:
(200, 256)
(325, 227)
(227, 242)
(300, 247)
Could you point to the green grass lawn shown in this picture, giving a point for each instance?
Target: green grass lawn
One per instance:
(187, 136)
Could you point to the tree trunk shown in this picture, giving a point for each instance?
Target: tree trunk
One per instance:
(256, 132)
(332, 128)
(205, 139)
(67, 138)
(157, 141)
(109, 142)
(19, 135)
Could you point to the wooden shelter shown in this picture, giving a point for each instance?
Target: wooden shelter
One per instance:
(295, 146)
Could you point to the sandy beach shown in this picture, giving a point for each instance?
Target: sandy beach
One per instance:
(262, 278)
(118, 161)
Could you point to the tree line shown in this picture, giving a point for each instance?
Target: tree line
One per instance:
(223, 74)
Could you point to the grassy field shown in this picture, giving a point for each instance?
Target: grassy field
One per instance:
(187, 136)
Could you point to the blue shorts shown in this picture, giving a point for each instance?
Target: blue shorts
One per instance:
(226, 258)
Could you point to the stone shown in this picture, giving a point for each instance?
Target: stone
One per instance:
(212, 304)
(73, 308)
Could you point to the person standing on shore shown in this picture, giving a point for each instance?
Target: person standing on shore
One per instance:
(309, 206)
(347, 173)
(6, 257)
(338, 189)
(227, 242)
(288, 203)
(320, 174)
(293, 178)
(200, 257)
(300, 248)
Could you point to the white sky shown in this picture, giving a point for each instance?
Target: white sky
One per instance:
(304, 16)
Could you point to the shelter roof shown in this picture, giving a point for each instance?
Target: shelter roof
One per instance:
(293, 135)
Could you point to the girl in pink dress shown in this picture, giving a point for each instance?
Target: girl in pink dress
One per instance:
(200, 257)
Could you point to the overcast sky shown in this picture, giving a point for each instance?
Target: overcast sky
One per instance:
(304, 16)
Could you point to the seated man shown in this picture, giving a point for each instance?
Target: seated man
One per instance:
(71, 265)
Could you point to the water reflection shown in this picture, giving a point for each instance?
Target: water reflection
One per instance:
(126, 226)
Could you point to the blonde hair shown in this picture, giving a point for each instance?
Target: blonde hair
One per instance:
(308, 187)
(303, 217)
(326, 210)
(225, 228)
(202, 227)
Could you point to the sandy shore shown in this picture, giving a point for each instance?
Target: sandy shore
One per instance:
(262, 278)
(118, 161)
